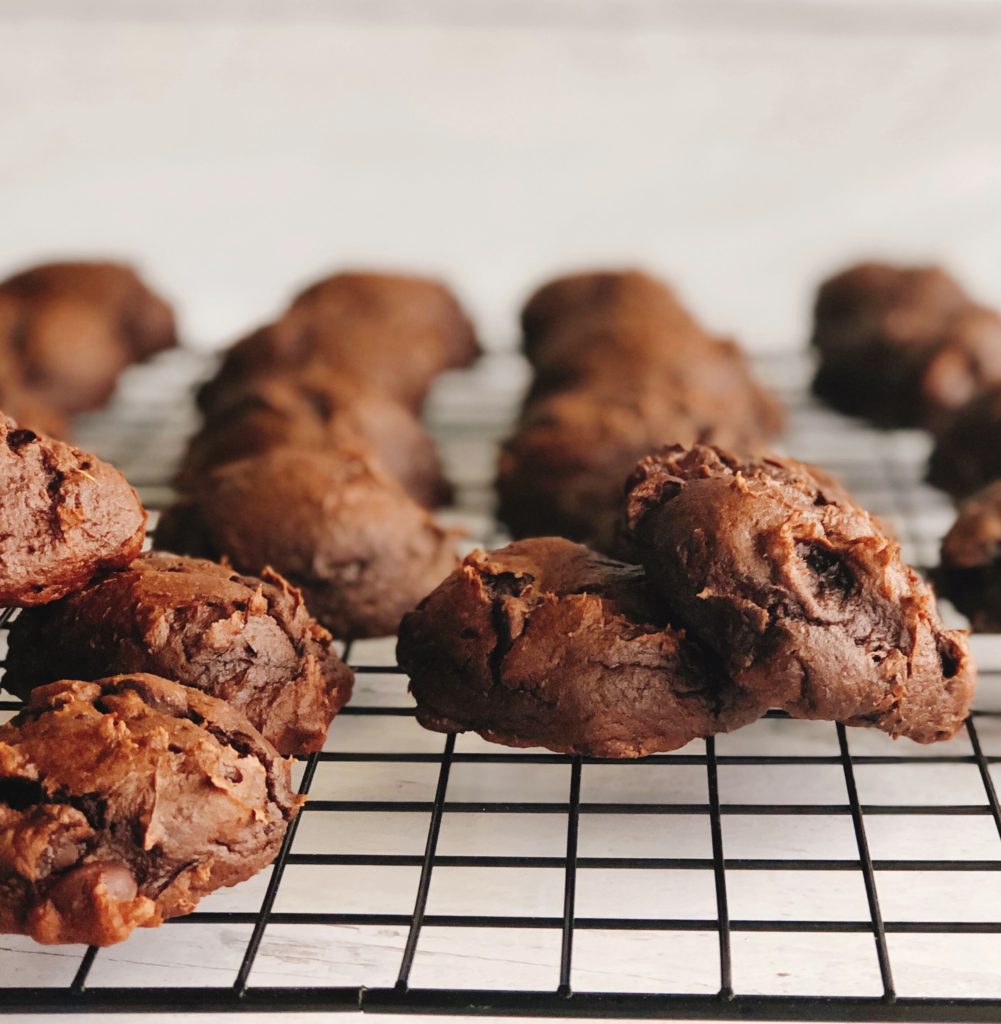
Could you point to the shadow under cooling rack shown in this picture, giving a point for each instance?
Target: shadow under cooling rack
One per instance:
(792, 870)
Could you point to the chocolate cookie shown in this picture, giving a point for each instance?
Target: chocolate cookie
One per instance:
(17, 399)
(967, 452)
(246, 640)
(73, 328)
(609, 388)
(124, 801)
(65, 516)
(317, 412)
(335, 524)
(798, 591)
(145, 320)
(545, 643)
(593, 295)
(564, 470)
(396, 361)
(902, 346)
(383, 334)
(402, 299)
(970, 570)
(703, 377)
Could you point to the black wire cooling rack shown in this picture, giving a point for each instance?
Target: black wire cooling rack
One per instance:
(792, 870)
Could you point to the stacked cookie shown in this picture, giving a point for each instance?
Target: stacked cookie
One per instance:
(153, 684)
(761, 584)
(620, 367)
(67, 331)
(312, 458)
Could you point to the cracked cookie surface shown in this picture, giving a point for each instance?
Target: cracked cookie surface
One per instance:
(124, 801)
(546, 643)
(247, 640)
(801, 593)
(64, 517)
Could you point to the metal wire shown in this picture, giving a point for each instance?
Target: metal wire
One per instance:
(562, 997)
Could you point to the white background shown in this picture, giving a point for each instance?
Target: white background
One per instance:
(744, 148)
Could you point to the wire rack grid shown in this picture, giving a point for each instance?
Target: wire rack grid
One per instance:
(792, 870)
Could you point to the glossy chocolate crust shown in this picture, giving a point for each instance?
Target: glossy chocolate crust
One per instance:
(124, 801)
(65, 516)
(546, 643)
(247, 640)
(799, 591)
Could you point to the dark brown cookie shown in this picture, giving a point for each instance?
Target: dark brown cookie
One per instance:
(618, 295)
(799, 592)
(402, 299)
(335, 524)
(124, 801)
(246, 640)
(967, 452)
(73, 328)
(704, 377)
(399, 362)
(388, 335)
(65, 517)
(564, 470)
(970, 570)
(612, 385)
(70, 352)
(966, 362)
(545, 643)
(321, 411)
(902, 346)
(145, 320)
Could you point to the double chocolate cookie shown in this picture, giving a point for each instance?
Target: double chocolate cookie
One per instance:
(246, 640)
(798, 591)
(545, 643)
(64, 516)
(970, 570)
(335, 524)
(124, 801)
(401, 299)
(616, 295)
(382, 334)
(967, 451)
(620, 369)
(73, 327)
(902, 346)
(317, 412)
(392, 360)
(563, 472)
